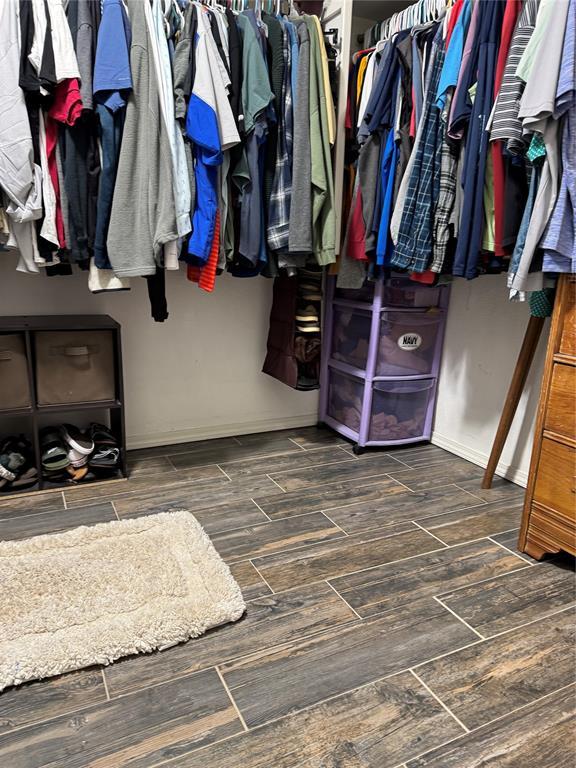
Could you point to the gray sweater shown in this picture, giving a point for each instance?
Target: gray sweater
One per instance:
(143, 214)
(300, 231)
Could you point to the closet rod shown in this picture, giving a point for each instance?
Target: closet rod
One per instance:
(417, 13)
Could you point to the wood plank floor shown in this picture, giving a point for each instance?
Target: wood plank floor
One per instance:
(391, 621)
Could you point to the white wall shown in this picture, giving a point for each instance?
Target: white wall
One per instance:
(483, 337)
(198, 375)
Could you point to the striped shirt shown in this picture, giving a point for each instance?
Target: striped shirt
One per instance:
(506, 125)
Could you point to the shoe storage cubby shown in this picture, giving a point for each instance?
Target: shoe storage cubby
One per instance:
(57, 370)
(381, 359)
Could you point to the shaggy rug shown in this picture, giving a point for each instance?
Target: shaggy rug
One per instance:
(94, 594)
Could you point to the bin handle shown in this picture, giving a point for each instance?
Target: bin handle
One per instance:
(5, 354)
(76, 351)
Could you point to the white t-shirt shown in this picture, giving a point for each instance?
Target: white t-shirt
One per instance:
(65, 62)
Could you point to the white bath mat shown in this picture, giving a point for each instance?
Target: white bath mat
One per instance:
(94, 594)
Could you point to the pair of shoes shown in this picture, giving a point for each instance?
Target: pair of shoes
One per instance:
(79, 446)
(310, 292)
(307, 320)
(106, 452)
(17, 469)
(70, 454)
(64, 447)
(307, 349)
(54, 451)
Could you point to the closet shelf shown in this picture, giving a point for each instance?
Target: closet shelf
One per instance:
(87, 406)
(16, 411)
(48, 359)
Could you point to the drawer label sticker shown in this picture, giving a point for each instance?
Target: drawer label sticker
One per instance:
(409, 341)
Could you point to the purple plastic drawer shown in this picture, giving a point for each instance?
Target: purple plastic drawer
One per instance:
(407, 343)
(399, 409)
(401, 292)
(345, 399)
(350, 336)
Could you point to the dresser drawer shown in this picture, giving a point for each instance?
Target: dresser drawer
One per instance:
(568, 339)
(552, 529)
(561, 408)
(555, 484)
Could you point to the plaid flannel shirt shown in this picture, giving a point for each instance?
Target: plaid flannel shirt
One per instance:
(279, 208)
(414, 247)
(446, 195)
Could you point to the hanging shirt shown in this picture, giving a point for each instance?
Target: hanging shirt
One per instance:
(504, 122)
(300, 227)
(294, 58)
(461, 97)
(179, 174)
(384, 245)
(112, 82)
(18, 179)
(414, 246)
(184, 63)
(210, 125)
(366, 89)
(257, 95)
(280, 200)
(112, 77)
(539, 97)
(453, 59)
(143, 219)
(506, 183)
(529, 276)
(559, 241)
(546, 11)
(483, 63)
(323, 215)
(64, 53)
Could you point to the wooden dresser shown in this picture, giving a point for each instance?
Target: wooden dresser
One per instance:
(549, 517)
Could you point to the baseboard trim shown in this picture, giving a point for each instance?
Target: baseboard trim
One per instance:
(193, 434)
(510, 472)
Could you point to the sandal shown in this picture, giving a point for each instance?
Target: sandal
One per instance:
(76, 439)
(105, 458)
(101, 435)
(15, 457)
(54, 450)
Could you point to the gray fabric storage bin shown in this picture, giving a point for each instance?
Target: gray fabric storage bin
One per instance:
(74, 366)
(14, 385)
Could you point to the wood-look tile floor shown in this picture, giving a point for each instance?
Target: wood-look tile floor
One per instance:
(391, 621)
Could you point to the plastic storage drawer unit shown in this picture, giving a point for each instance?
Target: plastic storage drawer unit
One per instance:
(350, 337)
(345, 399)
(407, 344)
(400, 292)
(399, 409)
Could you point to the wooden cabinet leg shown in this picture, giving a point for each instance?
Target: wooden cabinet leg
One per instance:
(536, 551)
